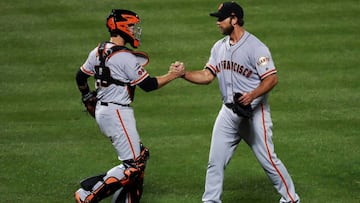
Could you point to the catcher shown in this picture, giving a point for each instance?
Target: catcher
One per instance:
(117, 71)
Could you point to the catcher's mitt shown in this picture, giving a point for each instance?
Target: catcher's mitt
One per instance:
(240, 109)
(89, 101)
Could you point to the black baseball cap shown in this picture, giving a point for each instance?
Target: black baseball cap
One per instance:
(228, 9)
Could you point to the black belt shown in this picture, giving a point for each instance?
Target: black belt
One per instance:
(229, 105)
(107, 104)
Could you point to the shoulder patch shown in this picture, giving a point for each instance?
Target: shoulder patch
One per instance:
(262, 61)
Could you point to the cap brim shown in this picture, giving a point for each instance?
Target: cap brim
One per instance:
(219, 16)
(215, 14)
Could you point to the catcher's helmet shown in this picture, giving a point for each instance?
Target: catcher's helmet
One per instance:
(125, 24)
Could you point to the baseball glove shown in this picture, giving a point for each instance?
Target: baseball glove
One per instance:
(240, 109)
(89, 100)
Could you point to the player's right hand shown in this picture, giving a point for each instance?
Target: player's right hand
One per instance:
(177, 68)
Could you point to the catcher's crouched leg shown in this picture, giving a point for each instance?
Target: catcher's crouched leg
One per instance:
(126, 180)
(118, 177)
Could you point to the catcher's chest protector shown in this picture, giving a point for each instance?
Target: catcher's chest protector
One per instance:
(102, 73)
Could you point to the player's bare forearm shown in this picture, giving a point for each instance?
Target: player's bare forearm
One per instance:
(165, 79)
(176, 70)
(200, 77)
(265, 86)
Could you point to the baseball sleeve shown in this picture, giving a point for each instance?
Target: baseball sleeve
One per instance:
(130, 70)
(88, 66)
(211, 64)
(264, 63)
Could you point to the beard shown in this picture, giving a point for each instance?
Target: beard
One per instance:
(227, 30)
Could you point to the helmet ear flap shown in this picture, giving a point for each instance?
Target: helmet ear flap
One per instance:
(111, 24)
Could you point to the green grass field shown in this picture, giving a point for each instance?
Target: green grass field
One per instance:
(48, 143)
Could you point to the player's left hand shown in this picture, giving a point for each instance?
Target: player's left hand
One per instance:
(89, 100)
(246, 98)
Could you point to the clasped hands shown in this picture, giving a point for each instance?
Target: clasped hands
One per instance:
(177, 68)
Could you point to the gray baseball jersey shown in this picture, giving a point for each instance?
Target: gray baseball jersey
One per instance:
(124, 66)
(241, 68)
(113, 114)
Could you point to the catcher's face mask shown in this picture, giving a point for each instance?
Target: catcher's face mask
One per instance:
(136, 32)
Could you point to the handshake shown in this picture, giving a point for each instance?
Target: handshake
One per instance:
(177, 69)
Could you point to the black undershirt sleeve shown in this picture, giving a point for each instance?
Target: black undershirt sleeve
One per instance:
(148, 84)
(210, 71)
(81, 80)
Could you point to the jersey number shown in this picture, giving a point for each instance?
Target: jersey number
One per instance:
(102, 76)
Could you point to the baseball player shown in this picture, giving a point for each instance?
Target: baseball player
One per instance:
(246, 74)
(117, 71)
